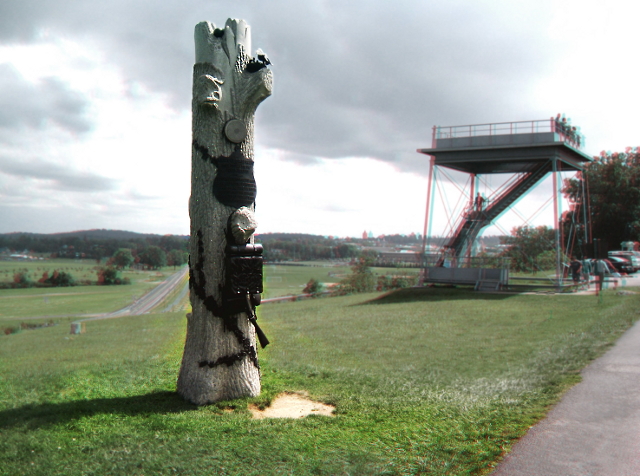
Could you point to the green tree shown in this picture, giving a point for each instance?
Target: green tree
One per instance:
(122, 258)
(108, 276)
(527, 245)
(613, 182)
(346, 250)
(154, 257)
(177, 258)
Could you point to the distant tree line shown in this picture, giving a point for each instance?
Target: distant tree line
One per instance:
(152, 257)
(105, 276)
(302, 247)
(403, 239)
(143, 248)
(125, 249)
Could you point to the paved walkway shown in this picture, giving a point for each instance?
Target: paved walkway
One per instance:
(595, 429)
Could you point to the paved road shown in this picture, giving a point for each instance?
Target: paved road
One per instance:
(595, 429)
(148, 301)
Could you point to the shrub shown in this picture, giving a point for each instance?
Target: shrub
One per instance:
(10, 330)
(109, 276)
(21, 280)
(361, 279)
(60, 278)
(547, 260)
(36, 325)
(386, 283)
(313, 287)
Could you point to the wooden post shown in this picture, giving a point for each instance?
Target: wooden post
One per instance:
(220, 356)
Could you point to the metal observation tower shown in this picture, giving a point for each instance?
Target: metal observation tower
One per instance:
(527, 152)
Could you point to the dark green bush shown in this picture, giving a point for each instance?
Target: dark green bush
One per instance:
(60, 278)
(386, 283)
(313, 287)
(110, 276)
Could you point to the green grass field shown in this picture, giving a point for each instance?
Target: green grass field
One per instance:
(284, 280)
(65, 303)
(425, 381)
(80, 269)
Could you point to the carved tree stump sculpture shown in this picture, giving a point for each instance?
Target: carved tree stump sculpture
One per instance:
(220, 356)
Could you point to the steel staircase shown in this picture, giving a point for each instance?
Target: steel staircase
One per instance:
(475, 221)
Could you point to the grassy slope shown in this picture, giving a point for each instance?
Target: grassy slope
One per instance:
(425, 382)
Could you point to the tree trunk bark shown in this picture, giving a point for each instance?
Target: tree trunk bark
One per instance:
(220, 357)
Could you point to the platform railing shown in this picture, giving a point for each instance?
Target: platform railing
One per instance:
(567, 133)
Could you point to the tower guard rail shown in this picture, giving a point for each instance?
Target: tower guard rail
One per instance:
(566, 132)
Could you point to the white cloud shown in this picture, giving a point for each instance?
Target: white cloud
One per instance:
(593, 81)
(134, 162)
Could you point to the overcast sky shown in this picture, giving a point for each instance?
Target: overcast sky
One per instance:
(95, 102)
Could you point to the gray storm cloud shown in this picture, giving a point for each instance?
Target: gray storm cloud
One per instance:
(56, 176)
(23, 104)
(352, 78)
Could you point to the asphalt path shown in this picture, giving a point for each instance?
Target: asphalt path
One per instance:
(595, 429)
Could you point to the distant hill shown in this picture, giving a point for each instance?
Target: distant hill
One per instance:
(264, 237)
(112, 234)
(95, 244)
(98, 234)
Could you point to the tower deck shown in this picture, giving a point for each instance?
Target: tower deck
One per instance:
(509, 147)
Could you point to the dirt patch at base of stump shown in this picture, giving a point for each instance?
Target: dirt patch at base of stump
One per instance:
(291, 405)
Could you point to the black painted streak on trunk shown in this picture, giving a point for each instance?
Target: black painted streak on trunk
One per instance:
(197, 283)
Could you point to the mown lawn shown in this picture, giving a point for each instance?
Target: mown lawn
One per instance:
(79, 268)
(425, 381)
(17, 304)
(285, 280)
(60, 303)
(82, 270)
